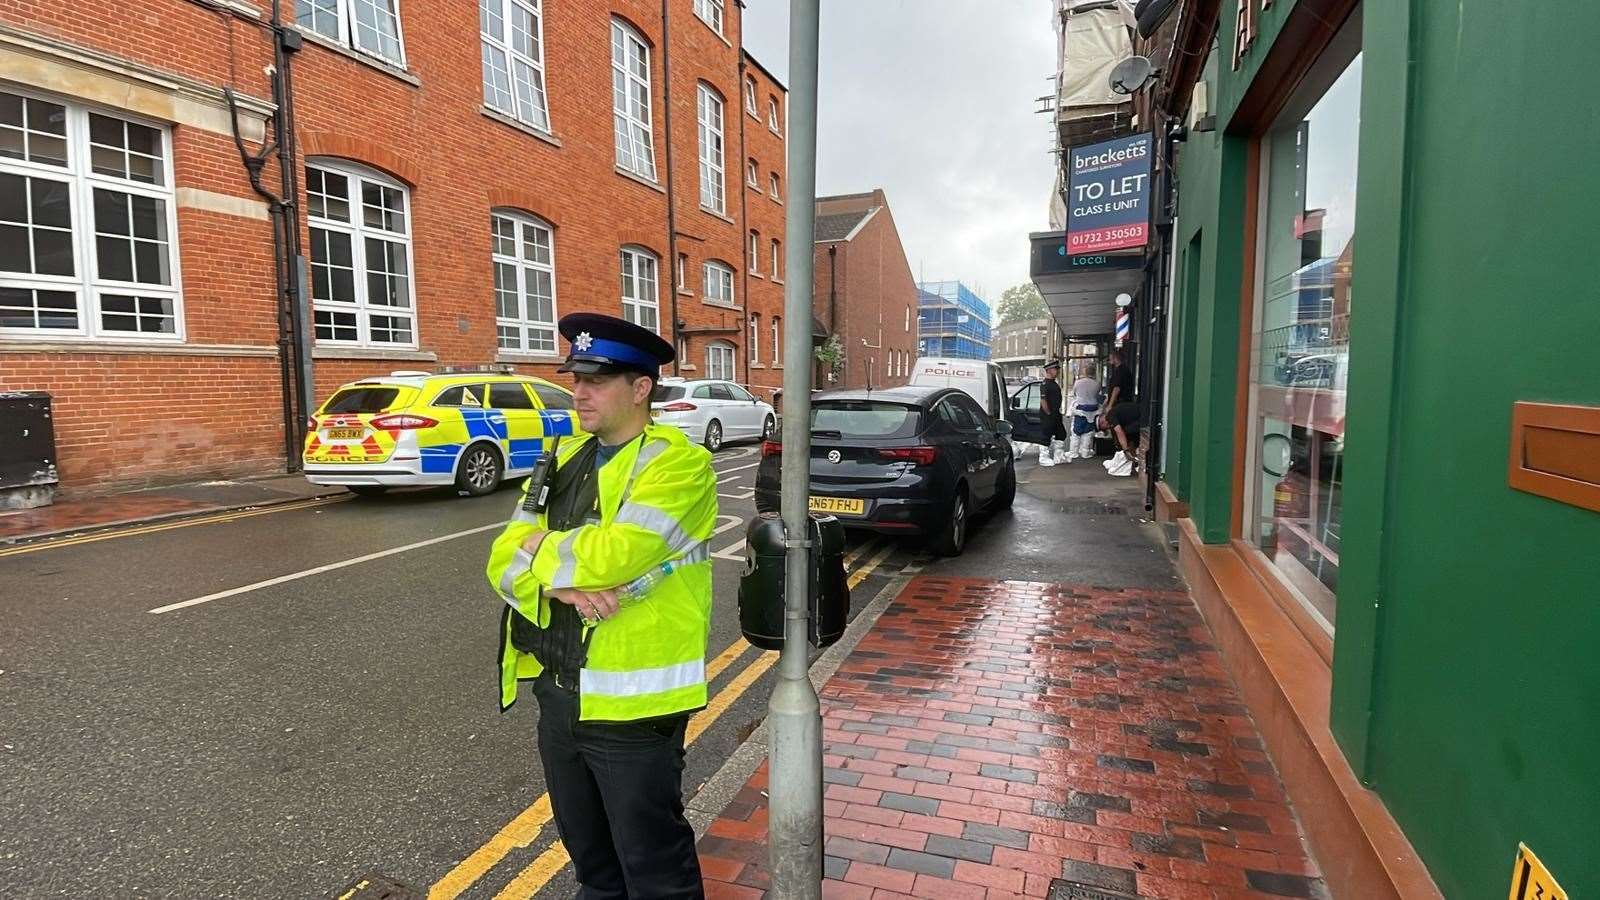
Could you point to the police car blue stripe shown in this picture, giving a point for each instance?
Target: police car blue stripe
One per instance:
(525, 451)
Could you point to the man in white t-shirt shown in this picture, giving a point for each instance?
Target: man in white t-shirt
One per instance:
(1083, 402)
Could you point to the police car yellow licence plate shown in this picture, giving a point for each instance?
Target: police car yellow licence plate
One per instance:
(840, 505)
(345, 434)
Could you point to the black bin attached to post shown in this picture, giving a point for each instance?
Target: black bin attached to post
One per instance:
(762, 582)
(27, 450)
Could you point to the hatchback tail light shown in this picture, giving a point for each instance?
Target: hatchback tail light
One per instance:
(922, 456)
(679, 407)
(311, 423)
(771, 448)
(403, 422)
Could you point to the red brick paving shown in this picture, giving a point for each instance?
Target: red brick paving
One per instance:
(987, 737)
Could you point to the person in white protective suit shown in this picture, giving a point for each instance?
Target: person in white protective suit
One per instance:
(1083, 405)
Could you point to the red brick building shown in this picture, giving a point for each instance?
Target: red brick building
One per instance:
(863, 292)
(464, 175)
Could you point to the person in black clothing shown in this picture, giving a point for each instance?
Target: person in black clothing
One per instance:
(1121, 414)
(1054, 449)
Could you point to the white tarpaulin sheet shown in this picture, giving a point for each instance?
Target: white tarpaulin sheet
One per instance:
(1093, 41)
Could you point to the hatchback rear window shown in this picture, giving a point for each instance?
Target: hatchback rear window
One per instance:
(666, 393)
(864, 418)
(362, 400)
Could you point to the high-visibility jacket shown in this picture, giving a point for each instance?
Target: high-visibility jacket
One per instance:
(658, 504)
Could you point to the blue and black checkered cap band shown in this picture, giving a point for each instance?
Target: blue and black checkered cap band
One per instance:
(616, 353)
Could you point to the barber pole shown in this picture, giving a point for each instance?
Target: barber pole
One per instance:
(1124, 325)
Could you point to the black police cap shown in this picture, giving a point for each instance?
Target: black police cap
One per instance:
(607, 345)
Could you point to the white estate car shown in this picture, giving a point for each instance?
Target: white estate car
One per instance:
(712, 412)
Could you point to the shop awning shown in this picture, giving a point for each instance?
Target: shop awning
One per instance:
(1081, 291)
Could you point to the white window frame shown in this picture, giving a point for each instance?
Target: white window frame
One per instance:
(752, 174)
(777, 254)
(532, 110)
(755, 339)
(348, 35)
(777, 340)
(683, 274)
(523, 227)
(772, 187)
(634, 261)
(714, 369)
(772, 115)
(717, 279)
(359, 233)
(908, 320)
(85, 285)
(711, 114)
(750, 95)
(711, 13)
(631, 120)
(755, 252)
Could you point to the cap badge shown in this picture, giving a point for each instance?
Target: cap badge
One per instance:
(583, 342)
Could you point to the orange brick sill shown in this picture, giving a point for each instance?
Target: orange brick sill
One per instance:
(1168, 507)
(1286, 684)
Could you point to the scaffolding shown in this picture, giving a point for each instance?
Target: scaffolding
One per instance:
(952, 321)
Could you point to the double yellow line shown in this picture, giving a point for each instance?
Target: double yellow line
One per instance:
(168, 526)
(524, 829)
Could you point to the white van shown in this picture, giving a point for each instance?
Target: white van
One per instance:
(981, 379)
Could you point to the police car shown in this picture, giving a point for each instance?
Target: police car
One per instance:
(469, 429)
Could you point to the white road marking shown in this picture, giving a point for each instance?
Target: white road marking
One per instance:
(318, 570)
(724, 523)
(733, 552)
(738, 468)
(744, 496)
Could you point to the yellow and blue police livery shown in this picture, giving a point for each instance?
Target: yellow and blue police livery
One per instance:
(469, 429)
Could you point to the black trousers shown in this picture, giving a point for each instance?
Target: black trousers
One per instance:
(617, 793)
(1054, 428)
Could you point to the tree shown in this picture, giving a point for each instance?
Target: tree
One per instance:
(1020, 303)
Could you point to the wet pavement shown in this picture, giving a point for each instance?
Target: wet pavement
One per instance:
(996, 738)
(88, 512)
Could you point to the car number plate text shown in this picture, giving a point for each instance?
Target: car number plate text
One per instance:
(345, 434)
(840, 505)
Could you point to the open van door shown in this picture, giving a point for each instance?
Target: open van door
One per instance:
(1022, 411)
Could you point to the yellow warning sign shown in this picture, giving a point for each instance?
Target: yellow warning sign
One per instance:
(1530, 880)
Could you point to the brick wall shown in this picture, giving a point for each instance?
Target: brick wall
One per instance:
(764, 214)
(874, 289)
(130, 415)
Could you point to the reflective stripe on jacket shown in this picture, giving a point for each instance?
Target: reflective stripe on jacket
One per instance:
(658, 503)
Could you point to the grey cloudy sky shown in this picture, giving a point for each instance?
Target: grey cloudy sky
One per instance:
(932, 100)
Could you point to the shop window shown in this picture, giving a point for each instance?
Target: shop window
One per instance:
(1300, 337)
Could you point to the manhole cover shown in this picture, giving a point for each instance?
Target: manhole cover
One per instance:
(1061, 889)
(373, 886)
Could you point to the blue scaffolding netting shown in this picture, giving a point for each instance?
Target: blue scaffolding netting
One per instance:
(952, 320)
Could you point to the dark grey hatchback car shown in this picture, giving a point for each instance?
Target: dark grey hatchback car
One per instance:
(909, 460)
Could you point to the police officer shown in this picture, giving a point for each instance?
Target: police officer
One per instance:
(615, 682)
(1054, 448)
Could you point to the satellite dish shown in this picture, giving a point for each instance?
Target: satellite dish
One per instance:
(1131, 74)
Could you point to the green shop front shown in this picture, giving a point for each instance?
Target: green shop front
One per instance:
(1383, 455)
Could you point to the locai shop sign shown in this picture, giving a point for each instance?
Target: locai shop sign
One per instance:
(1108, 195)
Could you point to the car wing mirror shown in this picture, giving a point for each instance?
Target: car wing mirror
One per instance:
(1003, 428)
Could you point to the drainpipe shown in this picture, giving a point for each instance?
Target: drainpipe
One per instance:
(286, 42)
(833, 295)
(672, 197)
(294, 363)
(744, 219)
